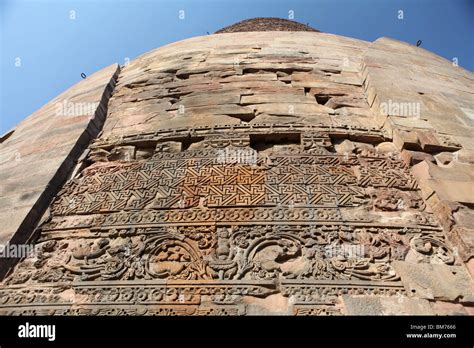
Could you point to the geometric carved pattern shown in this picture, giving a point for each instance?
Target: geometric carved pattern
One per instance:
(296, 180)
(186, 233)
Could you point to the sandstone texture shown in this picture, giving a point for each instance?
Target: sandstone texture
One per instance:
(257, 172)
(38, 155)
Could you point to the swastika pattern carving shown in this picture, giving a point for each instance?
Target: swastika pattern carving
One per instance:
(188, 224)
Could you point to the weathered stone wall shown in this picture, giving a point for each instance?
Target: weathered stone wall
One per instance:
(263, 173)
(38, 155)
(438, 141)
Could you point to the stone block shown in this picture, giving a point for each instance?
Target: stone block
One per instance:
(444, 158)
(122, 153)
(345, 147)
(346, 101)
(414, 157)
(448, 308)
(381, 305)
(436, 281)
(386, 147)
(406, 140)
(463, 239)
(465, 156)
(431, 142)
(454, 191)
(410, 123)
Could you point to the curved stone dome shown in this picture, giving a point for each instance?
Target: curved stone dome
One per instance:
(265, 24)
(249, 173)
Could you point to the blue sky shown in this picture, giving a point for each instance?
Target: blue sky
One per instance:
(53, 49)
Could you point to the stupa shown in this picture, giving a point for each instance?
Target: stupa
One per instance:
(268, 168)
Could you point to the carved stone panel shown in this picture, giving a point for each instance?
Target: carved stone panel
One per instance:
(194, 233)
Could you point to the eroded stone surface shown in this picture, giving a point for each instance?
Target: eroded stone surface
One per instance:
(431, 281)
(41, 151)
(378, 305)
(254, 173)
